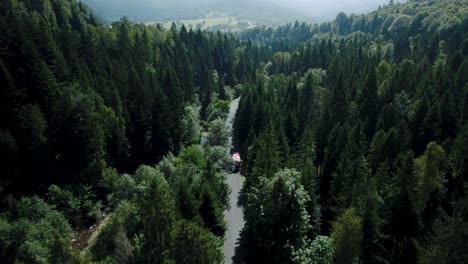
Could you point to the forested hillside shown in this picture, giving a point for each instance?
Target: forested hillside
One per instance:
(356, 139)
(84, 103)
(353, 136)
(258, 11)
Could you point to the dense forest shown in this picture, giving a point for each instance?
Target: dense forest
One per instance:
(353, 133)
(84, 105)
(356, 139)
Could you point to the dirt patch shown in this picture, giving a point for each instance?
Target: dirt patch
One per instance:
(85, 237)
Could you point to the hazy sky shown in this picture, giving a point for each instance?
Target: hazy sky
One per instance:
(331, 6)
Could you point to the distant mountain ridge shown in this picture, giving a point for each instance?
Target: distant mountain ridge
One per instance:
(270, 12)
(262, 12)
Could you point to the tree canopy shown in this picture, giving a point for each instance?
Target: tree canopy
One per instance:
(353, 135)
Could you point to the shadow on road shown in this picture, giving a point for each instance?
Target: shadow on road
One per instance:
(240, 252)
(241, 198)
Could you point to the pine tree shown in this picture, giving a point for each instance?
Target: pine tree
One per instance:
(427, 169)
(347, 236)
(157, 217)
(192, 244)
(447, 243)
(404, 224)
(283, 224)
(369, 103)
(373, 237)
(307, 99)
(284, 147)
(267, 158)
(304, 162)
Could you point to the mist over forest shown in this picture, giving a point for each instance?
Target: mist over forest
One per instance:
(270, 12)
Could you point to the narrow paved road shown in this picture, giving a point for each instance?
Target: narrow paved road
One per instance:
(234, 217)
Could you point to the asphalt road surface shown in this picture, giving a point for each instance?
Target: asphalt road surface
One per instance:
(234, 217)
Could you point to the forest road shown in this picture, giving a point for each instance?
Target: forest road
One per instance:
(234, 217)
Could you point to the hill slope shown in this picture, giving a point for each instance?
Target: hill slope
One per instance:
(261, 12)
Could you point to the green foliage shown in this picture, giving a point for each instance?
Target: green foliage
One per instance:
(36, 233)
(218, 110)
(427, 169)
(277, 219)
(156, 207)
(449, 238)
(113, 241)
(97, 95)
(81, 141)
(321, 250)
(192, 244)
(180, 201)
(219, 157)
(218, 134)
(349, 103)
(193, 155)
(347, 236)
(267, 155)
(80, 209)
(304, 162)
(121, 187)
(279, 62)
(33, 126)
(406, 207)
(191, 124)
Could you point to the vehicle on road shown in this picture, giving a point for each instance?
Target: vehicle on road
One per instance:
(236, 162)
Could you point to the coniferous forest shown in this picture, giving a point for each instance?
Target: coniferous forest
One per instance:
(353, 135)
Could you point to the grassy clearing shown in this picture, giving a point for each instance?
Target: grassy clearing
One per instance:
(223, 23)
